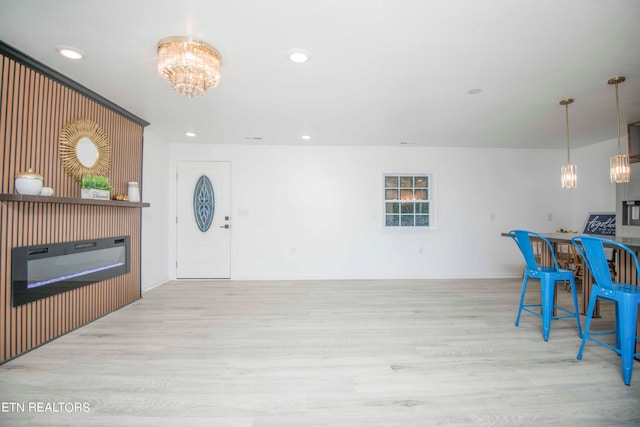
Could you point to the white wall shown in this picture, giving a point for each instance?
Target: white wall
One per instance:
(326, 203)
(155, 239)
(316, 212)
(595, 192)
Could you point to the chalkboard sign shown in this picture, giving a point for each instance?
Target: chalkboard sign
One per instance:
(600, 223)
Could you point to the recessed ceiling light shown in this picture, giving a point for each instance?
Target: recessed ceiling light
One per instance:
(474, 91)
(306, 137)
(70, 52)
(299, 55)
(190, 134)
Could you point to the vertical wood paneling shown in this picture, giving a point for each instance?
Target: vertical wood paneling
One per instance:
(33, 110)
(626, 268)
(4, 77)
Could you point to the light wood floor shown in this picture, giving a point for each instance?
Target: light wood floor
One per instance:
(321, 353)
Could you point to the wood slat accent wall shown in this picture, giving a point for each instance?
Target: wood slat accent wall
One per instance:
(34, 107)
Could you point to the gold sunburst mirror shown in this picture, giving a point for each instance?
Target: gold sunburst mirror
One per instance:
(84, 149)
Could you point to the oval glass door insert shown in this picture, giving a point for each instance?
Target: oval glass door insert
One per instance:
(204, 203)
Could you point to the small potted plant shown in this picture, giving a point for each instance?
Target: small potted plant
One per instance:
(95, 187)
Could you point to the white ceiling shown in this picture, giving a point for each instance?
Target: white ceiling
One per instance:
(382, 72)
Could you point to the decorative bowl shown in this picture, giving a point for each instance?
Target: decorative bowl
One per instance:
(29, 183)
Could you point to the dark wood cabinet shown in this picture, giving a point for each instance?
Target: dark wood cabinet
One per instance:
(633, 131)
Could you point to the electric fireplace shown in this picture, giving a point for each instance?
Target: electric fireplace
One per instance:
(44, 270)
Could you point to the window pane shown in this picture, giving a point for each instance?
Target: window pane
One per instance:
(407, 200)
(422, 181)
(422, 220)
(406, 181)
(391, 194)
(407, 207)
(422, 208)
(391, 181)
(407, 221)
(392, 208)
(406, 194)
(392, 220)
(421, 194)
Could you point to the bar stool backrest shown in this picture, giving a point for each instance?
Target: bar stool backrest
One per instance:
(523, 240)
(593, 251)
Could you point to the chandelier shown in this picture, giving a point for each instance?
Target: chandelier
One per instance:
(620, 171)
(568, 174)
(191, 66)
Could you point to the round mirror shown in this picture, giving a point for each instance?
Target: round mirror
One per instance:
(84, 149)
(87, 152)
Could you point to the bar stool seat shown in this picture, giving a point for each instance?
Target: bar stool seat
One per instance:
(548, 276)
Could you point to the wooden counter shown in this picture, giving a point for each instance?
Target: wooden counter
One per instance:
(631, 242)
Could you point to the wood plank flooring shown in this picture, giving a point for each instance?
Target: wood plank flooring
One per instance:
(320, 353)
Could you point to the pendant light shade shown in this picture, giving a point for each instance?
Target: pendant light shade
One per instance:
(619, 168)
(568, 175)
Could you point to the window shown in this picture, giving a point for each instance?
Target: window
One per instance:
(407, 200)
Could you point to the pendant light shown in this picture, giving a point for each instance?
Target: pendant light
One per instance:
(568, 175)
(620, 170)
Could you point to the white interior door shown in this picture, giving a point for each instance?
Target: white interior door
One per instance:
(203, 223)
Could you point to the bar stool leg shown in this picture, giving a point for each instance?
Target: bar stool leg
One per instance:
(525, 280)
(572, 282)
(585, 335)
(628, 316)
(547, 293)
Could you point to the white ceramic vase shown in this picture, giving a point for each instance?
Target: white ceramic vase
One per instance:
(133, 192)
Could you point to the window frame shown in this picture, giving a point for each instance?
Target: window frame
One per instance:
(430, 200)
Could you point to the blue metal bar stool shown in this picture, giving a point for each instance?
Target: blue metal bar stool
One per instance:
(626, 298)
(548, 277)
